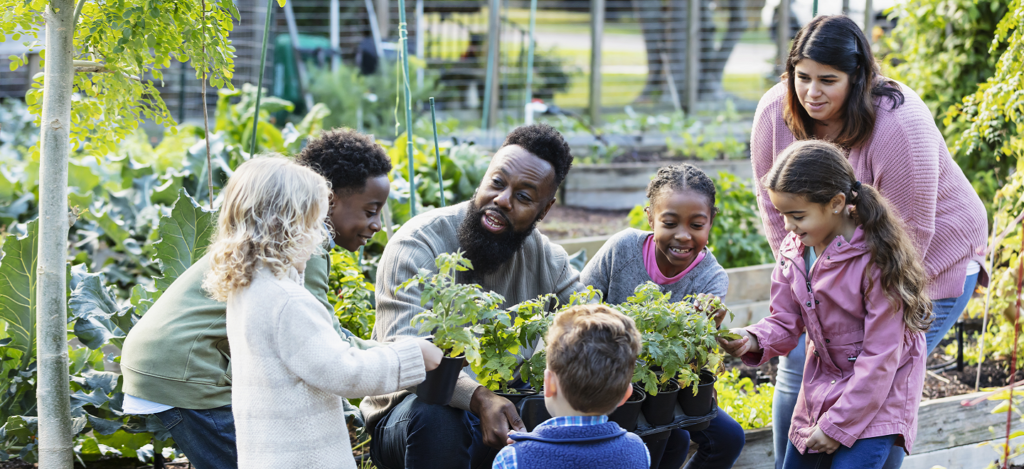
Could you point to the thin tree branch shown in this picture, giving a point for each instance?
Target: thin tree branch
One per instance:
(78, 12)
(85, 66)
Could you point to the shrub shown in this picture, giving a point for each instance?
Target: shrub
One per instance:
(750, 405)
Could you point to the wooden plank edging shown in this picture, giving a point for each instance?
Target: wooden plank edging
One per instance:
(947, 433)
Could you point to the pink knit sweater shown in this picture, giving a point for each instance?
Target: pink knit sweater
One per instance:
(907, 160)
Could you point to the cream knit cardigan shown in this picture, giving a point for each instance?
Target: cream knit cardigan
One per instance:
(291, 371)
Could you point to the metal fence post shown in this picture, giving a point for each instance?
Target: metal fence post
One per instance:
(869, 18)
(491, 95)
(383, 10)
(692, 55)
(782, 37)
(596, 33)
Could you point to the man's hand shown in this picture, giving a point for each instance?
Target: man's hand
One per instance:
(497, 416)
(821, 442)
(747, 343)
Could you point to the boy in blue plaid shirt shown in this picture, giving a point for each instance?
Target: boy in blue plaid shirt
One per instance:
(591, 352)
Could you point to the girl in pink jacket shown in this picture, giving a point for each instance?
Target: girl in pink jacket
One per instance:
(849, 276)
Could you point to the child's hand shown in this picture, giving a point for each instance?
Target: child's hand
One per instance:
(821, 442)
(747, 343)
(431, 354)
(718, 314)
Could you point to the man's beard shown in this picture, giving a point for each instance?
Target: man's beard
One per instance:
(486, 250)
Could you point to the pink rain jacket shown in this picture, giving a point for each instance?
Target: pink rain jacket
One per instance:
(865, 370)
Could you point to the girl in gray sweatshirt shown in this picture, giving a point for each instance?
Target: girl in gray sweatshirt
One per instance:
(674, 256)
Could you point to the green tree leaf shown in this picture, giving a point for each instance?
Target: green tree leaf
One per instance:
(184, 237)
(18, 289)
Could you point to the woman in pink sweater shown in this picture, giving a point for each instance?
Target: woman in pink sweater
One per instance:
(833, 90)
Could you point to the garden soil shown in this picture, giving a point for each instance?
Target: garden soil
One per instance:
(566, 222)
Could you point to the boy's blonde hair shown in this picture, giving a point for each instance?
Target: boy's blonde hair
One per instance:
(593, 350)
(272, 216)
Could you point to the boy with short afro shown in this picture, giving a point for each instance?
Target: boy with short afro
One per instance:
(176, 361)
(591, 352)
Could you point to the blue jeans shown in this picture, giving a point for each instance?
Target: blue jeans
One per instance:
(207, 437)
(417, 435)
(947, 312)
(719, 445)
(791, 370)
(868, 453)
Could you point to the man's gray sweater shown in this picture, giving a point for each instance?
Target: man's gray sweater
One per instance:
(618, 268)
(538, 268)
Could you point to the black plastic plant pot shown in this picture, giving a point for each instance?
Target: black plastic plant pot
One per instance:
(659, 409)
(699, 404)
(439, 385)
(532, 411)
(626, 414)
(517, 396)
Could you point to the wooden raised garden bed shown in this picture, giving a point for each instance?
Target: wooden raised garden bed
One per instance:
(948, 435)
(622, 186)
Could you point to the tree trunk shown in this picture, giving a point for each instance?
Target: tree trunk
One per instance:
(55, 450)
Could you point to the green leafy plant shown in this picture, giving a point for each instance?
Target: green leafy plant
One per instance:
(351, 294)
(735, 237)
(509, 342)
(351, 96)
(750, 405)
(678, 339)
(456, 309)
(943, 49)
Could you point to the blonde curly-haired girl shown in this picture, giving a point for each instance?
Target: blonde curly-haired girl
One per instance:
(290, 368)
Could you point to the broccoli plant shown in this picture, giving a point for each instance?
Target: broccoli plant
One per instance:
(456, 310)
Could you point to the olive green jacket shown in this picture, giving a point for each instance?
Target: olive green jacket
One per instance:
(178, 353)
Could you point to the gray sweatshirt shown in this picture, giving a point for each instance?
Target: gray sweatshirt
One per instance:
(538, 268)
(618, 268)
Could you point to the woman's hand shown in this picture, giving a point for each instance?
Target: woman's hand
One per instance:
(431, 354)
(821, 442)
(747, 343)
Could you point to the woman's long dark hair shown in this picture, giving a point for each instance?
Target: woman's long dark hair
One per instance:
(838, 42)
(819, 171)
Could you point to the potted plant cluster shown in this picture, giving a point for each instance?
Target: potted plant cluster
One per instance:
(679, 351)
(508, 342)
(697, 382)
(533, 320)
(455, 317)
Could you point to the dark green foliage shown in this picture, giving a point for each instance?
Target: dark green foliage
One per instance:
(943, 49)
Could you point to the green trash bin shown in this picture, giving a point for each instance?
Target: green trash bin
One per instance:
(286, 74)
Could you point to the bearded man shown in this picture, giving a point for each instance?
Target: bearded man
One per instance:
(496, 231)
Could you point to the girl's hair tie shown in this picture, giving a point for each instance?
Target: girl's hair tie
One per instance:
(856, 186)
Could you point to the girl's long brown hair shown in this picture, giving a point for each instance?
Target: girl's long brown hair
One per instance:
(838, 42)
(819, 171)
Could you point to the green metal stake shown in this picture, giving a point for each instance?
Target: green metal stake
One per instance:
(529, 54)
(403, 35)
(437, 152)
(814, 9)
(259, 83)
